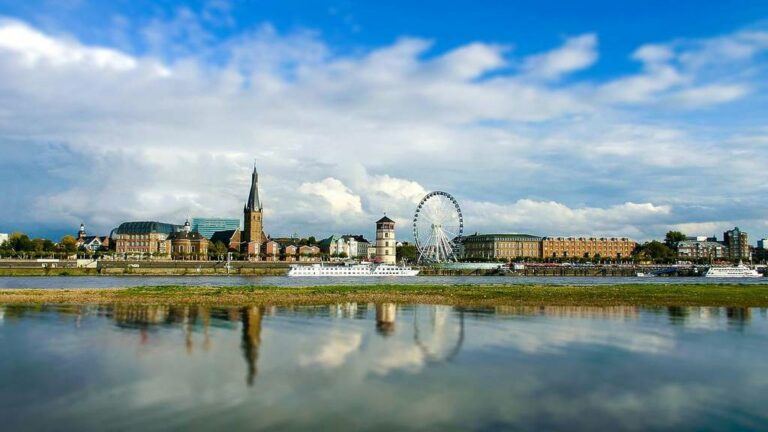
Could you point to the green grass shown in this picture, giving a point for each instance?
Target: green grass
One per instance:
(527, 295)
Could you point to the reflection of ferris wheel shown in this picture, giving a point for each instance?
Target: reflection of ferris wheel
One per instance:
(441, 347)
(436, 226)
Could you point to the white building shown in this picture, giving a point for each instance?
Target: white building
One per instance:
(386, 244)
(3, 237)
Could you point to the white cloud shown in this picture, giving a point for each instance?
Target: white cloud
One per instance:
(710, 95)
(341, 138)
(540, 217)
(339, 198)
(680, 72)
(34, 47)
(577, 53)
(398, 189)
(724, 50)
(471, 61)
(333, 351)
(643, 87)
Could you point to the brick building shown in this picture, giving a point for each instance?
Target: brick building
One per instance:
(587, 247)
(702, 248)
(144, 238)
(738, 244)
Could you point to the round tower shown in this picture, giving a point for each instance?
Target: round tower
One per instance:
(81, 232)
(385, 241)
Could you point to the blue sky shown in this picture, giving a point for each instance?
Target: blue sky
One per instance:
(551, 117)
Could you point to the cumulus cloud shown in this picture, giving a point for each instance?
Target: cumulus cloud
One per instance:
(340, 138)
(339, 198)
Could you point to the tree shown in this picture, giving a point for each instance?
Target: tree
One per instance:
(49, 246)
(657, 251)
(20, 242)
(673, 238)
(68, 244)
(218, 249)
(406, 253)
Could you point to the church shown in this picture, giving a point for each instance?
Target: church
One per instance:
(253, 236)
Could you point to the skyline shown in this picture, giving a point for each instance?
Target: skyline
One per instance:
(592, 126)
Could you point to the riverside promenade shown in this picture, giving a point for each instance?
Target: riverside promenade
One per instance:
(280, 268)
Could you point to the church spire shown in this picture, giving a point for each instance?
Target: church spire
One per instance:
(253, 198)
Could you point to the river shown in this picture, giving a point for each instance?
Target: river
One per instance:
(381, 367)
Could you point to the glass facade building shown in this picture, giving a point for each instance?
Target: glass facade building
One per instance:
(208, 226)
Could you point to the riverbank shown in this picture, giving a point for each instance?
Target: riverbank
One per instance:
(725, 295)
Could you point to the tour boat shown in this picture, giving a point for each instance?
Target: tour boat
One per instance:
(349, 270)
(739, 271)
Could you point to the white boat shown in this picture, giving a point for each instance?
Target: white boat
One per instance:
(350, 270)
(645, 275)
(739, 271)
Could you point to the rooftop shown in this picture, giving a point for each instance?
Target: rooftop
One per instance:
(183, 235)
(146, 227)
(508, 236)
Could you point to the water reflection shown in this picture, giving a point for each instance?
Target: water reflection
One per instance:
(251, 317)
(386, 314)
(404, 366)
(439, 348)
(437, 332)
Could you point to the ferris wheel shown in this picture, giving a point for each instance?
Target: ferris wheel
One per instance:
(437, 225)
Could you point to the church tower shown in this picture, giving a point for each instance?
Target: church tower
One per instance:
(252, 218)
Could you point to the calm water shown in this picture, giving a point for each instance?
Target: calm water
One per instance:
(129, 281)
(382, 367)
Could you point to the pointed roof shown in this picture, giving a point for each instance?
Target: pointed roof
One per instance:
(253, 198)
(385, 219)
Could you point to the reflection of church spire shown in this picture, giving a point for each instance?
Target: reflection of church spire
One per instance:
(386, 313)
(205, 314)
(251, 318)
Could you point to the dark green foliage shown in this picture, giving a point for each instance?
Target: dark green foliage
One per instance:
(406, 253)
(673, 238)
(657, 252)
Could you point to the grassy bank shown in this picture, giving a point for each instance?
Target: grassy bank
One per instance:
(467, 295)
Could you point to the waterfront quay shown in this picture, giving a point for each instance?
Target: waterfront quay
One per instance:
(278, 268)
(139, 268)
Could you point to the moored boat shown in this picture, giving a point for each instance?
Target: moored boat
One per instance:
(739, 271)
(350, 270)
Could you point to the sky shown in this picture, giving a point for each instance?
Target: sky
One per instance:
(552, 117)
